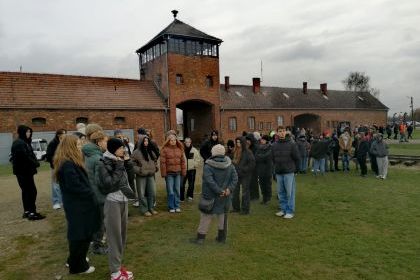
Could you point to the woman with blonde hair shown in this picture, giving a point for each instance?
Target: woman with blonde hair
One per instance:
(79, 201)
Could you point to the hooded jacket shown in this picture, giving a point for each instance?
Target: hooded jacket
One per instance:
(263, 160)
(23, 158)
(93, 155)
(218, 174)
(172, 159)
(144, 167)
(379, 148)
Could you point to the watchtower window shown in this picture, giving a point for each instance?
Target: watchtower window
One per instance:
(209, 81)
(179, 79)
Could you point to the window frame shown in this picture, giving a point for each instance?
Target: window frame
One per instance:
(233, 124)
(251, 123)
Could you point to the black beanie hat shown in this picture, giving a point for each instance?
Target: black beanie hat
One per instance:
(141, 130)
(113, 145)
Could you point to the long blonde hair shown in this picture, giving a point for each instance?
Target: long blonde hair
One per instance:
(67, 150)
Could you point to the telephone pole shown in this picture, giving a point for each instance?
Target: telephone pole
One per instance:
(413, 122)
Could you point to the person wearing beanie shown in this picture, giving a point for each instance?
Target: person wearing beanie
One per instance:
(114, 184)
(193, 160)
(205, 149)
(219, 181)
(173, 166)
(92, 152)
(264, 167)
(25, 167)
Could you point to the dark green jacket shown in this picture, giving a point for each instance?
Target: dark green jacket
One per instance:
(93, 154)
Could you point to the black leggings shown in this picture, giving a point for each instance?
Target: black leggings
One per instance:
(191, 182)
(77, 258)
(29, 192)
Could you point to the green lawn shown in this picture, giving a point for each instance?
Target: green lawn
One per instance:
(6, 169)
(346, 227)
(404, 149)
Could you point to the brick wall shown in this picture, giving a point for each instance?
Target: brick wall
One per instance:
(55, 119)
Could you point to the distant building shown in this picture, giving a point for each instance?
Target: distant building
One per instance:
(179, 68)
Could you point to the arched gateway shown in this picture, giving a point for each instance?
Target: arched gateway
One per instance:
(310, 121)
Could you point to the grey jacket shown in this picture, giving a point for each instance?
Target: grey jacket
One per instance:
(218, 175)
(379, 148)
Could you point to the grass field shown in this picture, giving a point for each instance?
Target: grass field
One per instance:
(346, 227)
(404, 149)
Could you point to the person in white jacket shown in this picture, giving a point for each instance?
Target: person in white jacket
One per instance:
(193, 160)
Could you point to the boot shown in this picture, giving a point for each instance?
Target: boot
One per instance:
(199, 240)
(221, 237)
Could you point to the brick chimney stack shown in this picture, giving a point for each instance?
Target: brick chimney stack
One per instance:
(227, 84)
(323, 88)
(305, 87)
(256, 85)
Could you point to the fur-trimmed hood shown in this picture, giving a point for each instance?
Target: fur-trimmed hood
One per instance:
(219, 162)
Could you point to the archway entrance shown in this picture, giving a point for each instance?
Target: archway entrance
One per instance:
(195, 120)
(310, 121)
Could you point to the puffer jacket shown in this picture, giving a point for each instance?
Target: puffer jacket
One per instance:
(285, 157)
(143, 167)
(113, 177)
(263, 160)
(23, 157)
(93, 155)
(218, 175)
(172, 159)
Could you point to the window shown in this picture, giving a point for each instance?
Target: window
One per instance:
(179, 79)
(261, 126)
(39, 121)
(82, 120)
(232, 124)
(209, 81)
(119, 120)
(268, 125)
(251, 123)
(279, 120)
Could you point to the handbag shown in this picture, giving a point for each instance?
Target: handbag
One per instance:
(206, 205)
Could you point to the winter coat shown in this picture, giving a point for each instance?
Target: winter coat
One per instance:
(172, 160)
(303, 146)
(345, 149)
(113, 177)
(218, 174)
(263, 160)
(93, 155)
(362, 149)
(319, 149)
(205, 149)
(143, 167)
(52, 147)
(285, 156)
(246, 165)
(379, 148)
(193, 158)
(23, 157)
(79, 201)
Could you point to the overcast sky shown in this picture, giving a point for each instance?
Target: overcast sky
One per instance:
(297, 40)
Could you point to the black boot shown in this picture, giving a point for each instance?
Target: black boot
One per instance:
(221, 237)
(199, 240)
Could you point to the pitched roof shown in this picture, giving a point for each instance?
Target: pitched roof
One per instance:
(180, 29)
(51, 91)
(243, 97)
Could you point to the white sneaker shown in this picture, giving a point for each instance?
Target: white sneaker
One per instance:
(288, 216)
(172, 211)
(280, 214)
(89, 270)
(87, 259)
(56, 206)
(136, 204)
(190, 199)
(178, 210)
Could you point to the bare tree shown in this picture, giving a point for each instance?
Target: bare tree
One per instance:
(359, 81)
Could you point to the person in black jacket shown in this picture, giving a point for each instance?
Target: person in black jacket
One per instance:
(361, 153)
(205, 149)
(244, 162)
(286, 163)
(79, 202)
(264, 168)
(24, 167)
(49, 157)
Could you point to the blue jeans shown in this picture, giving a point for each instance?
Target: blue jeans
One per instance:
(319, 166)
(286, 188)
(55, 190)
(303, 164)
(346, 162)
(173, 184)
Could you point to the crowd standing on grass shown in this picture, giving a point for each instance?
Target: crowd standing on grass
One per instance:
(95, 177)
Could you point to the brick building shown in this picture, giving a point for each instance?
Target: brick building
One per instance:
(179, 68)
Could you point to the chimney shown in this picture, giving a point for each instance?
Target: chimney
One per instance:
(256, 85)
(323, 88)
(227, 84)
(305, 87)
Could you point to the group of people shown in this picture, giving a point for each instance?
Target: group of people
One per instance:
(95, 176)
